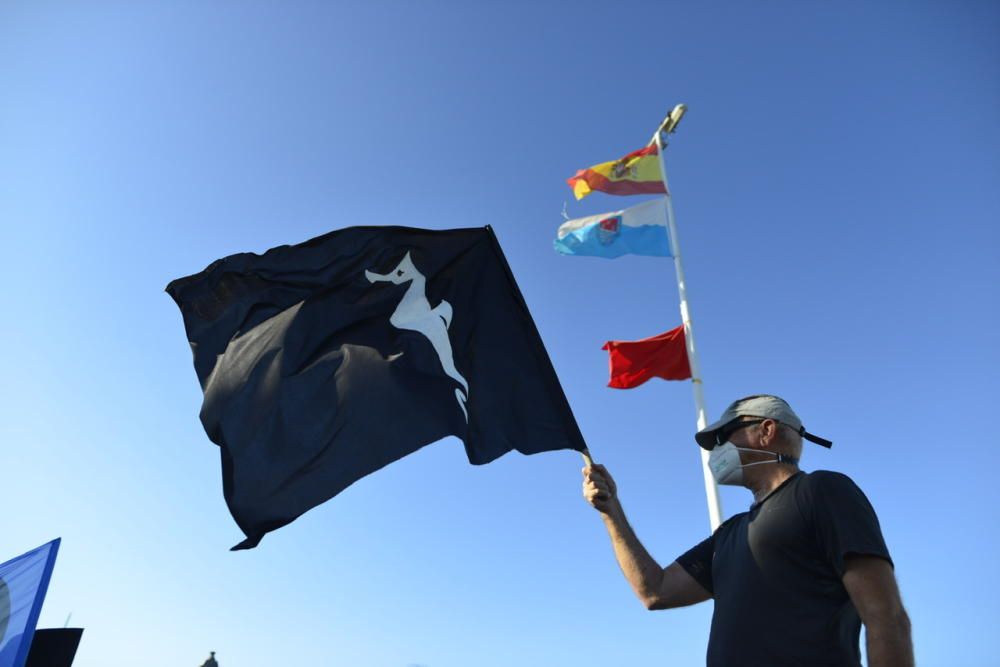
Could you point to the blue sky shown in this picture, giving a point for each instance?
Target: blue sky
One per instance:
(835, 184)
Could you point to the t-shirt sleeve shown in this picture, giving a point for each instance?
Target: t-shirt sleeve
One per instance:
(845, 522)
(697, 561)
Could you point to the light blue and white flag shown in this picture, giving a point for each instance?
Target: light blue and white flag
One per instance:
(639, 230)
(23, 582)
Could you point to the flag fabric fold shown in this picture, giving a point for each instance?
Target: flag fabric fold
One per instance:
(632, 363)
(638, 173)
(325, 361)
(639, 230)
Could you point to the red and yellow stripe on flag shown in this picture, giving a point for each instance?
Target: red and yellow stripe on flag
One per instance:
(638, 173)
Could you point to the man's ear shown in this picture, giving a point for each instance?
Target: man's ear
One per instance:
(768, 433)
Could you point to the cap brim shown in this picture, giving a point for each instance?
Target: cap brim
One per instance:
(706, 436)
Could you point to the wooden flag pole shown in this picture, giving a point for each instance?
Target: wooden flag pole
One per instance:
(587, 461)
(668, 125)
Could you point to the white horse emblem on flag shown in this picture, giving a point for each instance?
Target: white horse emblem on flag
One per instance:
(414, 313)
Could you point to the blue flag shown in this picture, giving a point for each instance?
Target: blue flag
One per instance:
(23, 582)
(639, 230)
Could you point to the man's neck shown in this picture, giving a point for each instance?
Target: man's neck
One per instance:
(763, 482)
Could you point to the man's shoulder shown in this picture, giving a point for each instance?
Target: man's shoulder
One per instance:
(731, 523)
(831, 486)
(819, 478)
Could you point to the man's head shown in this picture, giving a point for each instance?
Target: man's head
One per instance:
(752, 432)
(763, 434)
(761, 421)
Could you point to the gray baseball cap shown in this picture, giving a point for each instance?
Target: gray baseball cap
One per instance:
(761, 405)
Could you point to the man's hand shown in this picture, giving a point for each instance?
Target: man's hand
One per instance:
(599, 488)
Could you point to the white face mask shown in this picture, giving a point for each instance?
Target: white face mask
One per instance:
(724, 462)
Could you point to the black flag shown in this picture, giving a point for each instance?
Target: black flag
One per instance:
(325, 361)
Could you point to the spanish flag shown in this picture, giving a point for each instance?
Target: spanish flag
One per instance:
(638, 173)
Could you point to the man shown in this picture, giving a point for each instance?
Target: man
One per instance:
(211, 662)
(794, 577)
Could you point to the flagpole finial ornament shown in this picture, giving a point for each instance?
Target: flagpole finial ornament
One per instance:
(674, 118)
(670, 123)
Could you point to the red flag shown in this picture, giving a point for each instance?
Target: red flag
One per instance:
(632, 362)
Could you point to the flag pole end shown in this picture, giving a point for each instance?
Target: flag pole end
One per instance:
(669, 124)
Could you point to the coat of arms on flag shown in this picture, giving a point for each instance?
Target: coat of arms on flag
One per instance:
(609, 229)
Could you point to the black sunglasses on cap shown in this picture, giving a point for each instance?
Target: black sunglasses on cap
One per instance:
(723, 434)
(726, 431)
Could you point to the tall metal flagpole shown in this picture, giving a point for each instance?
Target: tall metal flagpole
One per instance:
(668, 125)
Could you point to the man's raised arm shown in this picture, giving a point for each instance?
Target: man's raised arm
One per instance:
(656, 587)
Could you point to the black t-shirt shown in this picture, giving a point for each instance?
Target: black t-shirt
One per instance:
(775, 574)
